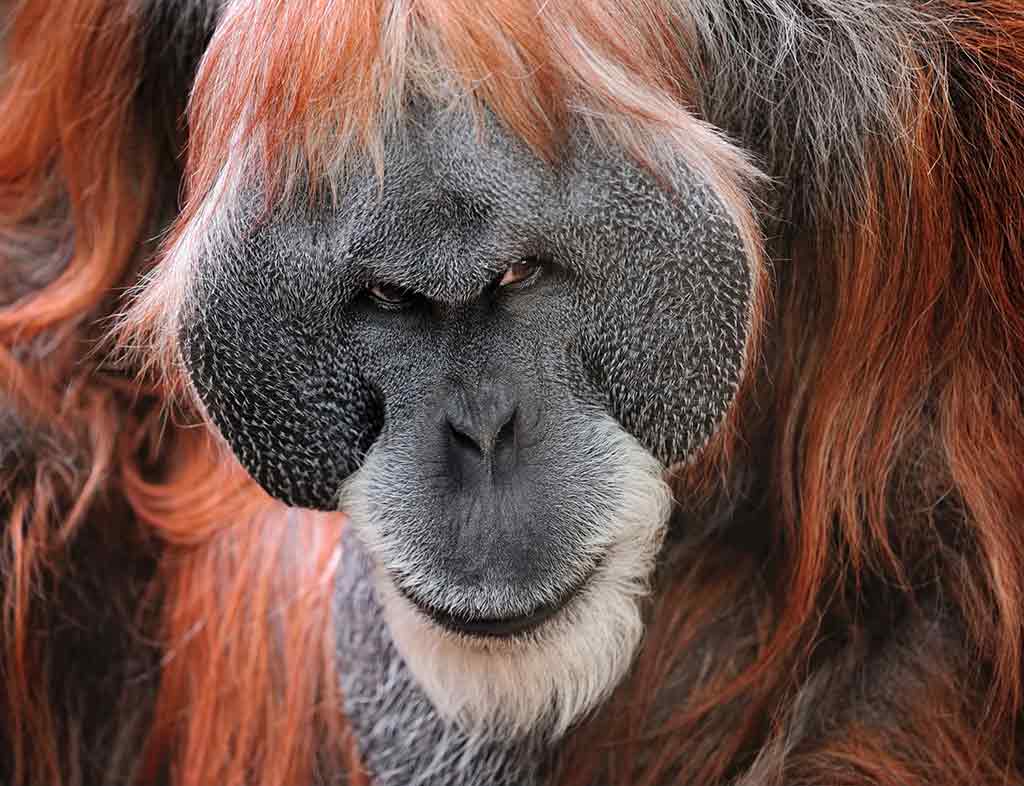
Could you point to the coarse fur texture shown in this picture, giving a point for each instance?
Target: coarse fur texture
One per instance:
(840, 595)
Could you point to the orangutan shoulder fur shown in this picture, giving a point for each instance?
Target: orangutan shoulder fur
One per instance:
(838, 597)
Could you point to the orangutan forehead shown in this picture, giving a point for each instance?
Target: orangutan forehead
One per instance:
(457, 199)
(453, 202)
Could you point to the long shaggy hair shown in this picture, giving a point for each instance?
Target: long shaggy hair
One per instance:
(845, 604)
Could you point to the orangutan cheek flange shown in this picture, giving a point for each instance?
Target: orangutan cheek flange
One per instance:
(290, 401)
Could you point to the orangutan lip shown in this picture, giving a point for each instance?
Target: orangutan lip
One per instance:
(496, 627)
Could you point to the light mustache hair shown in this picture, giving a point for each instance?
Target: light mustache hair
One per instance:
(549, 679)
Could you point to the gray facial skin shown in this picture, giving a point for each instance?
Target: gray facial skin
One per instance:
(475, 424)
(479, 399)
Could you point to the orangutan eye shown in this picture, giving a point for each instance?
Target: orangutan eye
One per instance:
(522, 273)
(389, 296)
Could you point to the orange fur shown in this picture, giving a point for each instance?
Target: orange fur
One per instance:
(893, 389)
